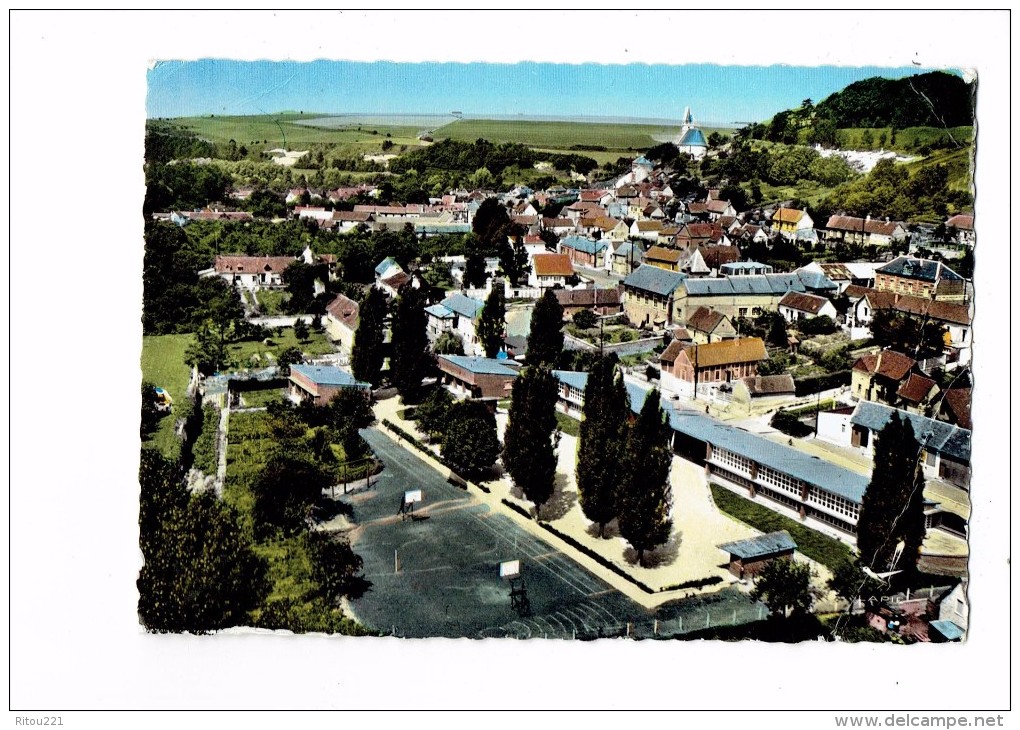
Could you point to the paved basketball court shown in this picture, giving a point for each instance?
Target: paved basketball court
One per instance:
(438, 576)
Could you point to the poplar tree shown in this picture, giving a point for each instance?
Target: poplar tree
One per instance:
(492, 322)
(892, 509)
(545, 338)
(645, 495)
(528, 452)
(411, 359)
(367, 350)
(600, 446)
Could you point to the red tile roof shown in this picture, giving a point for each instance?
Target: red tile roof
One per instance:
(915, 388)
(252, 264)
(809, 303)
(727, 352)
(345, 310)
(957, 402)
(887, 363)
(961, 222)
(553, 264)
(705, 319)
(667, 255)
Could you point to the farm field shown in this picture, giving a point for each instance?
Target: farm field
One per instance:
(163, 366)
(557, 135)
(283, 130)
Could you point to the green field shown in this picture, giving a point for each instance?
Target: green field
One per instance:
(163, 366)
(558, 136)
(568, 425)
(242, 353)
(270, 131)
(271, 301)
(908, 140)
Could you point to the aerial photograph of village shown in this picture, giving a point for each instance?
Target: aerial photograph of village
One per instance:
(696, 366)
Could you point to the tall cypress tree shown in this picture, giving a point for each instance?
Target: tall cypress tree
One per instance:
(367, 352)
(600, 446)
(545, 339)
(528, 452)
(411, 361)
(645, 494)
(892, 509)
(492, 322)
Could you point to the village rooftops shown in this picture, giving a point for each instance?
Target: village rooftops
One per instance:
(655, 280)
(851, 224)
(922, 269)
(760, 546)
(800, 281)
(931, 435)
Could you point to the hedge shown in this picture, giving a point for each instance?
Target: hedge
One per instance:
(818, 383)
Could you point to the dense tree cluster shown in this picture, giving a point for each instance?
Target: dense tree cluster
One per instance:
(200, 572)
(935, 99)
(545, 336)
(411, 361)
(469, 436)
(367, 355)
(785, 587)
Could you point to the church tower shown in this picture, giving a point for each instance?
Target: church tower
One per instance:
(691, 140)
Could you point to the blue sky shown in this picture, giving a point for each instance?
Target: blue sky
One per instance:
(716, 94)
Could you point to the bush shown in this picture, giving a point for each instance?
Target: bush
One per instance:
(775, 365)
(822, 325)
(790, 424)
(585, 319)
(818, 383)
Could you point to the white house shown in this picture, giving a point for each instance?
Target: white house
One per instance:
(342, 316)
(795, 306)
(458, 314)
(550, 269)
(252, 272)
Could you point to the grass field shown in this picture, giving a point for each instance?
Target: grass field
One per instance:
(560, 136)
(279, 130)
(163, 366)
(907, 140)
(826, 550)
(568, 425)
(242, 353)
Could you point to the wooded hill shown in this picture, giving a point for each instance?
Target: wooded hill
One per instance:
(935, 99)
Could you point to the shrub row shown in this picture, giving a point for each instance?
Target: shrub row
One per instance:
(818, 383)
(699, 583)
(517, 508)
(596, 557)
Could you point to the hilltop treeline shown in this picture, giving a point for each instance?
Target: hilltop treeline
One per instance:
(935, 99)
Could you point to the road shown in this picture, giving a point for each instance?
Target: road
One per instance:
(438, 576)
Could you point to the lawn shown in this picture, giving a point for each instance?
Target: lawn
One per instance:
(826, 550)
(271, 301)
(242, 353)
(261, 398)
(163, 366)
(568, 425)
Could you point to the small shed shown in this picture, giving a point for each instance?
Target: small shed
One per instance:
(748, 557)
(943, 631)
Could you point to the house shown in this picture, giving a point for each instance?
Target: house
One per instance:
(648, 230)
(964, 227)
(877, 377)
(342, 322)
(686, 367)
(953, 610)
(921, 278)
(252, 272)
(707, 325)
(560, 226)
(627, 257)
(916, 393)
(319, 383)
(796, 306)
(945, 448)
(347, 220)
(955, 407)
(476, 377)
(844, 275)
(600, 301)
(386, 268)
(717, 209)
(791, 222)
(649, 294)
(748, 557)
(586, 252)
(664, 258)
(845, 229)
(457, 314)
(715, 256)
(551, 269)
(694, 235)
(745, 268)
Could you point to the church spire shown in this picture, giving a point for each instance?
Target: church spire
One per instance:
(688, 119)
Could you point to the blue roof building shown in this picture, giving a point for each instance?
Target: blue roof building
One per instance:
(319, 383)
(584, 245)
